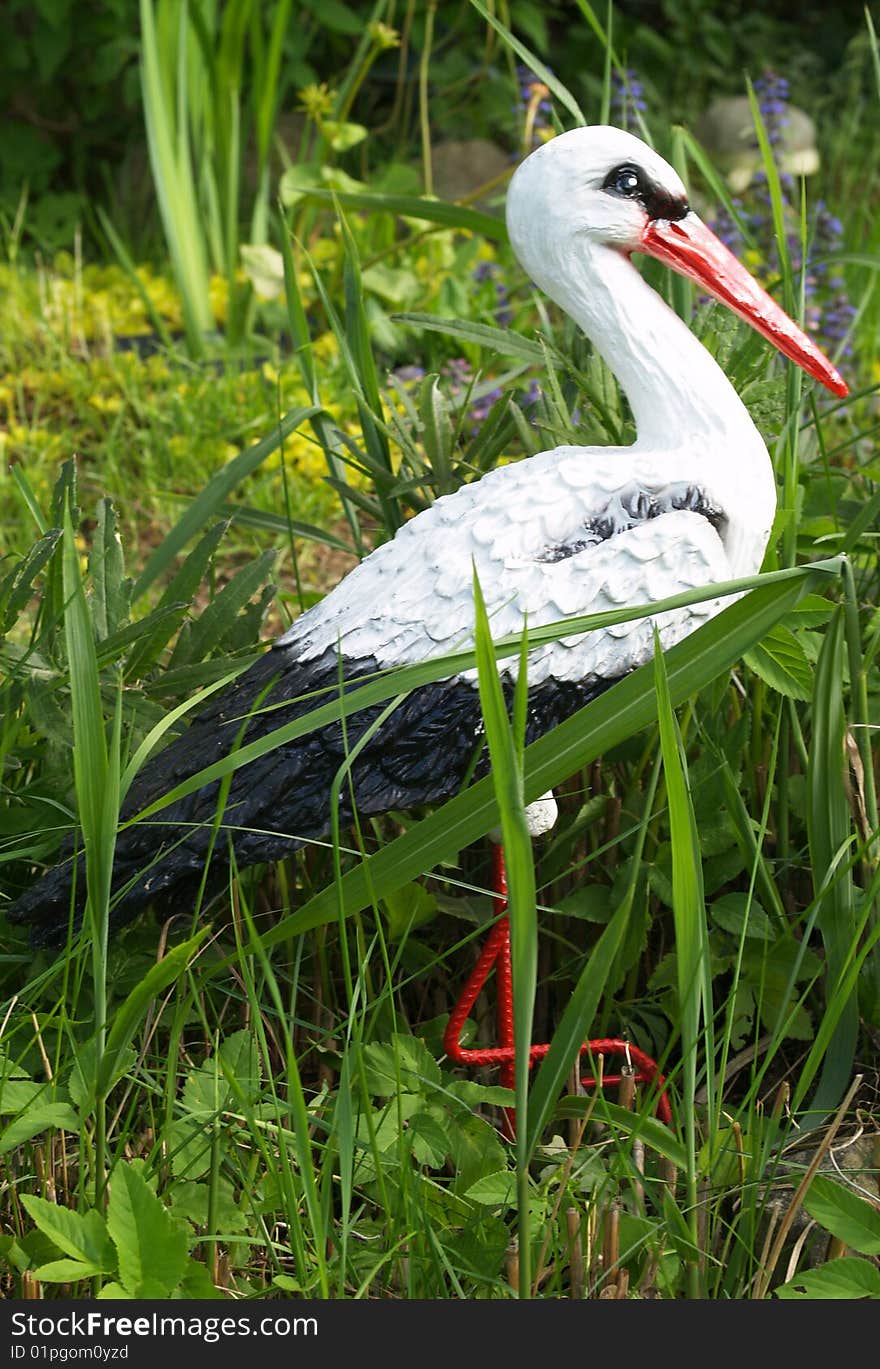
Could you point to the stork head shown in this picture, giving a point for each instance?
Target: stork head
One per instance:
(600, 186)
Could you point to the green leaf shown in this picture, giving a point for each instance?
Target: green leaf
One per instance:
(845, 1278)
(83, 1236)
(69, 1271)
(780, 661)
(151, 1244)
(408, 908)
(35, 1120)
(438, 433)
(111, 592)
(16, 587)
(574, 1025)
(409, 206)
(500, 340)
(830, 833)
(736, 911)
(343, 136)
(693, 962)
(405, 1061)
(494, 1190)
(217, 619)
(850, 1218)
(655, 1134)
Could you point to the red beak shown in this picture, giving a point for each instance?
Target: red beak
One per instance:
(690, 248)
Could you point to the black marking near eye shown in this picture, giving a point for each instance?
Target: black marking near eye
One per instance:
(633, 505)
(630, 182)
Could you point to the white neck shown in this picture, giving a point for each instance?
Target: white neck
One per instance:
(685, 409)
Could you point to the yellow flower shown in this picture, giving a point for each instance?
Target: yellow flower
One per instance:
(317, 100)
(106, 404)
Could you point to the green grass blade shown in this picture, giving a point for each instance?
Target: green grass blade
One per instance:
(693, 965)
(438, 212)
(521, 896)
(553, 84)
(499, 340)
(580, 1011)
(829, 828)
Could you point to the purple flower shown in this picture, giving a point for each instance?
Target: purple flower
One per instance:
(772, 92)
(408, 375)
(627, 97)
(534, 105)
(828, 310)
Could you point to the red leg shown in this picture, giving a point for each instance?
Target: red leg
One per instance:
(496, 951)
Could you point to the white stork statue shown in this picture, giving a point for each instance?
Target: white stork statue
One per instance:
(570, 531)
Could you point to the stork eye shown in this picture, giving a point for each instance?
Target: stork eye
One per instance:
(625, 181)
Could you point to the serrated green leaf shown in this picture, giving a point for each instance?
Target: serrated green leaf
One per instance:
(16, 588)
(494, 1190)
(780, 661)
(219, 616)
(68, 1271)
(151, 1245)
(735, 911)
(405, 1060)
(35, 1120)
(111, 592)
(83, 1236)
(438, 433)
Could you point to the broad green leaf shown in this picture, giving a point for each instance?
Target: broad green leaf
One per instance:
(405, 1061)
(83, 1236)
(264, 268)
(343, 136)
(736, 913)
(850, 1218)
(845, 1278)
(494, 1190)
(408, 908)
(781, 662)
(70, 1271)
(151, 1245)
(35, 1120)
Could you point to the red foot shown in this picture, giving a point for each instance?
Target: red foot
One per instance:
(496, 951)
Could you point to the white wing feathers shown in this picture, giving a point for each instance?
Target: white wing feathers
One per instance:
(413, 597)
